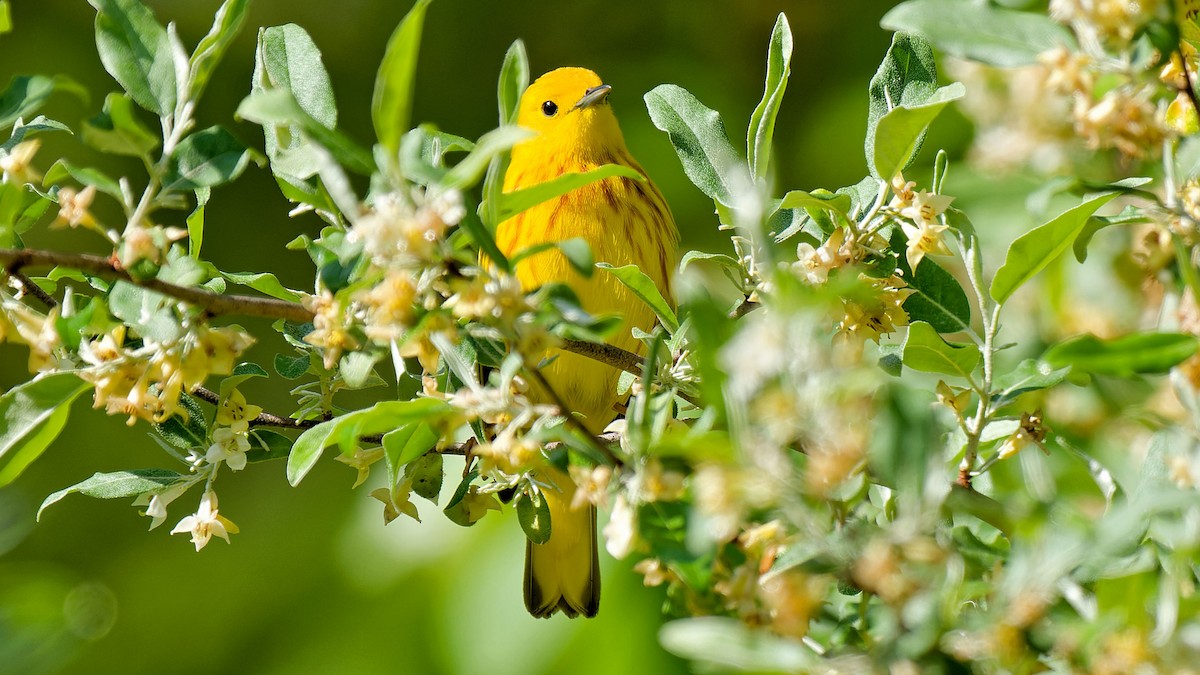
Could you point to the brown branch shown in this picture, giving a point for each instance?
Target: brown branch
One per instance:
(745, 308)
(212, 303)
(29, 287)
(605, 353)
(264, 419)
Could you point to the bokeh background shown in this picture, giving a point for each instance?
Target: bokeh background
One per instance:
(315, 582)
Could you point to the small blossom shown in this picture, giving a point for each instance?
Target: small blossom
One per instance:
(397, 501)
(362, 461)
(957, 402)
(478, 504)
(206, 523)
(1067, 71)
(620, 534)
(1031, 431)
(156, 505)
(591, 485)
(814, 264)
(1124, 119)
(236, 414)
(73, 207)
(228, 446)
(877, 316)
(17, 164)
(330, 327)
(653, 571)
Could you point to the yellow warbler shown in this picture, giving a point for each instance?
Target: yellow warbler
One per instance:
(625, 221)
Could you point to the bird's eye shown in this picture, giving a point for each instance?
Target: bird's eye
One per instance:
(549, 109)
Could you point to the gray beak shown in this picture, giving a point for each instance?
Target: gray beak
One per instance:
(593, 96)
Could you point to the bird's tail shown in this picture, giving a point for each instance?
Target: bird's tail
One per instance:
(564, 573)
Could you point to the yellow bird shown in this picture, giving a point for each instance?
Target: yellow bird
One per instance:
(625, 221)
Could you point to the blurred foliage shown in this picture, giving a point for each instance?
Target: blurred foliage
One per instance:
(940, 418)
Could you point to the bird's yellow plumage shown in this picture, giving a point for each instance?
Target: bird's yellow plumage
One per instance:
(625, 221)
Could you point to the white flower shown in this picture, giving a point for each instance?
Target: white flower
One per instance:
(620, 534)
(814, 264)
(157, 506)
(206, 523)
(229, 447)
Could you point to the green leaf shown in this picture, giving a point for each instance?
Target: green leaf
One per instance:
(118, 485)
(1130, 215)
(906, 76)
(277, 108)
(761, 130)
(226, 24)
(391, 104)
(241, 373)
(939, 299)
(358, 369)
(37, 125)
(291, 367)
(729, 643)
(62, 169)
(1037, 248)
(926, 351)
(25, 94)
(206, 158)
(32, 415)
(185, 430)
(1029, 375)
(426, 475)
(288, 59)
(514, 78)
(698, 136)
(468, 171)
(135, 50)
(512, 203)
(576, 250)
(641, 285)
(263, 282)
(144, 310)
(5, 17)
(899, 133)
(195, 223)
(307, 450)
(979, 31)
(345, 431)
(117, 129)
(825, 201)
(405, 444)
(1138, 353)
(533, 512)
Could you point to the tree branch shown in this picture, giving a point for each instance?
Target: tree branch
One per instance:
(28, 287)
(210, 302)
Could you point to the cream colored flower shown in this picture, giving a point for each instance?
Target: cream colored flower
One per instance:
(362, 461)
(73, 207)
(1031, 431)
(814, 264)
(330, 327)
(230, 447)
(620, 534)
(156, 505)
(206, 523)
(591, 485)
(397, 501)
(17, 165)
(236, 413)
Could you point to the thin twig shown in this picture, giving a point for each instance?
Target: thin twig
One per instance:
(745, 308)
(571, 420)
(263, 419)
(605, 353)
(212, 303)
(29, 287)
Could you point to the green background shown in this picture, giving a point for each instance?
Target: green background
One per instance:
(315, 582)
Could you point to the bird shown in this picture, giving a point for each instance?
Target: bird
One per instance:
(624, 221)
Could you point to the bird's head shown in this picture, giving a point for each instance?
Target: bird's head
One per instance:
(569, 110)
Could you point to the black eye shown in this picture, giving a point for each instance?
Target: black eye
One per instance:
(549, 109)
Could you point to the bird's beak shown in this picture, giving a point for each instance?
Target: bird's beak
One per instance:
(593, 96)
